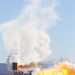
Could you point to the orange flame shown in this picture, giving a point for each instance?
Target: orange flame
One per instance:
(20, 67)
(59, 69)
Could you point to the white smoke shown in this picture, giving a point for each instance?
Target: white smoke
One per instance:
(27, 33)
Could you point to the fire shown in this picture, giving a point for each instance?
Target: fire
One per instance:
(20, 67)
(59, 69)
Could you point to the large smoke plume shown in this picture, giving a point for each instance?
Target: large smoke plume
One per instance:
(27, 33)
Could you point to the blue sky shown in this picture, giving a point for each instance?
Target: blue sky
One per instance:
(62, 35)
